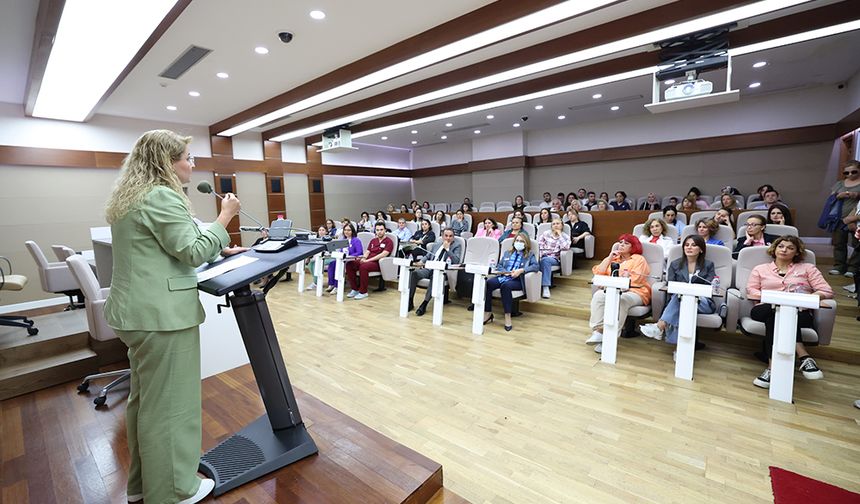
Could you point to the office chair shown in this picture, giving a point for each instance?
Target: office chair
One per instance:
(11, 282)
(99, 329)
(56, 277)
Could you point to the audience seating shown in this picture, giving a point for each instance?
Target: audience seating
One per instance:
(682, 217)
(531, 208)
(387, 269)
(528, 218)
(725, 234)
(738, 318)
(566, 259)
(440, 206)
(701, 214)
(532, 280)
(587, 245)
(752, 198)
(451, 274)
(11, 282)
(643, 199)
(481, 250)
(743, 216)
(671, 231)
(56, 276)
(504, 208)
(718, 202)
(529, 228)
(666, 199)
(773, 229)
(504, 204)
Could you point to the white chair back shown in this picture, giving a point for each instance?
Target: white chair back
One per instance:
(437, 229)
(468, 219)
(725, 234)
(588, 219)
(364, 237)
(703, 214)
(504, 203)
(481, 250)
(412, 226)
(504, 208)
(743, 216)
(491, 206)
(543, 228)
(666, 199)
(671, 231)
(682, 217)
(440, 206)
(528, 218)
(653, 254)
(531, 208)
(750, 257)
(720, 256)
(529, 228)
(62, 252)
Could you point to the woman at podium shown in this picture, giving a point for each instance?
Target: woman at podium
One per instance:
(154, 308)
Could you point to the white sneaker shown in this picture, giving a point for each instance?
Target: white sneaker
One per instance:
(763, 379)
(810, 369)
(206, 487)
(857, 403)
(134, 497)
(850, 287)
(352, 293)
(651, 331)
(599, 348)
(545, 292)
(834, 272)
(849, 274)
(596, 337)
(674, 355)
(360, 296)
(312, 286)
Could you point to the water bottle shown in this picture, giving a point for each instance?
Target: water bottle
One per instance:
(715, 285)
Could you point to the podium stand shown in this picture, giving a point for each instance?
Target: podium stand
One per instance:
(279, 437)
(685, 351)
(614, 287)
(785, 339)
(405, 264)
(438, 293)
(339, 273)
(479, 290)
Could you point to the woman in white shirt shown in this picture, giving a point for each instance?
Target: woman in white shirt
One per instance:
(655, 232)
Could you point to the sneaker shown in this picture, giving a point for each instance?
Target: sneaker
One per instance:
(352, 293)
(850, 287)
(361, 296)
(312, 286)
(834, 272)
(849, 274)
(857, 404)
(651, 331)
(206, 486)
(763, 379)
(809, 369)
(135, 497)
(545, 292)
(598, 348)
(674, 355)
(723, 310)
(596, 337)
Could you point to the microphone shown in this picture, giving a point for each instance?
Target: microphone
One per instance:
(206, 188)
(252, 228)
(613, 269)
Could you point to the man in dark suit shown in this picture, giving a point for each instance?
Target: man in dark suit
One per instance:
(448, 251)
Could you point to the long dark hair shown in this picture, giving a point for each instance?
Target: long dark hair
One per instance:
(785, 213)
(700, 242)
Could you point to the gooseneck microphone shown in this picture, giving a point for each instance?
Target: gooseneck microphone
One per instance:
(206, 188)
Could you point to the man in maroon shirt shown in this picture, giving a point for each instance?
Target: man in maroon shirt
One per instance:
(379, 247)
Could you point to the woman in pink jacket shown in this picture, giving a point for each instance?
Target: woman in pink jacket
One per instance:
(489, 229)
(786, 273)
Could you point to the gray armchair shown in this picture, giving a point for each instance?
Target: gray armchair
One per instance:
(12, 282)
(56, 277)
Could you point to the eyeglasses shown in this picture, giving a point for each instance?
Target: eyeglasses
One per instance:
(753, 224)
(191, 159)
(850, 172)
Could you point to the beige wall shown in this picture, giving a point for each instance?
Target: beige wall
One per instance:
(443, 189)
(348, 196)
(497, 185)
(297, 199)
(252, 194)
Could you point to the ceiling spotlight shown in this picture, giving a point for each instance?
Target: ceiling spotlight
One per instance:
(444, 137)
(261, 50)
(448, 125)
(538, 107)
(561, 117)
(384, 138)
(414, 132)
(491, 116)
(669, 82)
(171, 107)
(755, 85)
(317, 14)
(516, 125)
(194, 93)
(222, 75)
(414, 142)
(614, 108)
(597, 96)
(477, 132)
(759, 64)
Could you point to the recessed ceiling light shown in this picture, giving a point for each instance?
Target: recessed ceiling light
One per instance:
(194, 93)
(317, 14)
(444, 137)
(414, 142)
(414, 132)
(597, 96)
(538, 107)
(385, 138)
(171, 107)
(516, 125)
(448, 125)
(491, 116)
(222, 75)
(477, 132)
(755, 85)
(261, 50)
(759, 64)
(614, 108)
(669, 82)
(561, 117)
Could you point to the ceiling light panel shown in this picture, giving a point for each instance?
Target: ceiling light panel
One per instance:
(95, 41)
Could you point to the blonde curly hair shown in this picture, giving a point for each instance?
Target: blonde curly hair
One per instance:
(149, 164)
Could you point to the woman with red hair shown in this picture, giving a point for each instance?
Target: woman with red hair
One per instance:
(627, 254)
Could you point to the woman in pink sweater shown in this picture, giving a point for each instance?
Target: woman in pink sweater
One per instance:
(786, 273)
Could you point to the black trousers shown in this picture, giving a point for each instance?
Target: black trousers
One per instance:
(765, 313)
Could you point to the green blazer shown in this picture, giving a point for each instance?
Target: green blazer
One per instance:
(156, 248)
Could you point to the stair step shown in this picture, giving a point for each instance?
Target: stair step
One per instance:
(36, 374)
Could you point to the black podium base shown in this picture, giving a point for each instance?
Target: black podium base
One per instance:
(254, 451)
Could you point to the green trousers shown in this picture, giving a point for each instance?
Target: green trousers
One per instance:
(163, 416)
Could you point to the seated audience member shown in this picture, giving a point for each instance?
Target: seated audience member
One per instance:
(655, 232)
(419, 215)
(755, 235)
(627, 254)
(439, 218)
(343, 222)
(380, 216)
(620, 202)
(358, 271)
(692, 267)
(786, 273)
(569, 199)
(771, 196)
(489, 229)
(725, 217)
(544, 217)
(602, 206)
(413, 205)
(330, 228)
(417, 244)
(761, 190)
(582, 195)
(650, 203)
(730, 190)
(670, 217)
(448, 251)
(696, 195)
(390, 208)
(779, 214)
(728, 202)
(459, 224)
(578, 229)
(404, 208)
(426, 207)
(519, 203)
(547, 200)
(604, 196)
(520, 214)
(466, 208)
(353, 250)
(688, 204)
(557, 207)
(707, 228)
(561, 197)
(515, 228)
(402, 233)
(510, 276)
(590, 201)
(364, 223)
(468, 202)
(673, 202)
(322, 232)
(576, 205)
(550, 245)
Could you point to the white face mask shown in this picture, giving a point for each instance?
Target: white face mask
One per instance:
(519, 245)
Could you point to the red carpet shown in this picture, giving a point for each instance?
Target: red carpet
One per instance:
(793, 488)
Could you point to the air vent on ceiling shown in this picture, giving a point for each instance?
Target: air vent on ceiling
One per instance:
(603, 103)
(428, 145)
(464, 128)
(185, 61)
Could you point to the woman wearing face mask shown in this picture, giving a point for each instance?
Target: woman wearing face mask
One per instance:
(779, 214)
(691, 268)
(510, 271)
(655, 232)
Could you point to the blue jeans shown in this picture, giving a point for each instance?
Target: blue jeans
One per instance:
(672, 314)
(546, 264)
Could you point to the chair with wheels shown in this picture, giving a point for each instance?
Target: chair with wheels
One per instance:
(56, 277)
(12, 282)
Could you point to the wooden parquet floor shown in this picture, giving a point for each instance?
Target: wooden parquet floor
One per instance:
(532, 416)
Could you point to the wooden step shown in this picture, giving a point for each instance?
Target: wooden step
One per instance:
(40, 346)
(36, 374)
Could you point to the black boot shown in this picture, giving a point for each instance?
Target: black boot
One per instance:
(422, 309)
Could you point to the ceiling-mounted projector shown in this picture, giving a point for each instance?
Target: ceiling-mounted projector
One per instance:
(688, 89)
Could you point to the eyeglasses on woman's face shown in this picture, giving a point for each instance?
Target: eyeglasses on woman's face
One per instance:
(846, 172)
